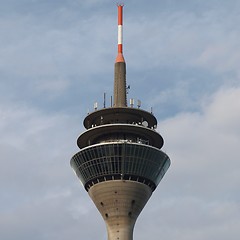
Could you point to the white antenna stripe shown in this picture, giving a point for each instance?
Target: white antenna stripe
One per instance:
(120, 35)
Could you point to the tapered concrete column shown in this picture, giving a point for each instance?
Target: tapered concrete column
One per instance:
(120, 95)
(120, 203)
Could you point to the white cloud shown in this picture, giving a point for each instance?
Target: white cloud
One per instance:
(224, 112)
(185, 38)
(201, 188)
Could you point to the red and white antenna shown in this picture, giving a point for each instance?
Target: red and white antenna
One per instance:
(120, 95)
(120, 57)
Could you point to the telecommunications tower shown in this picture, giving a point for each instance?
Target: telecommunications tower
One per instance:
(120, 162)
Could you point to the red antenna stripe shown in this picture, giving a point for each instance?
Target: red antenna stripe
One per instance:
(120, 15)
(119, 48)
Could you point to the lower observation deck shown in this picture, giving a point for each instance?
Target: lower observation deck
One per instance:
(120, 160)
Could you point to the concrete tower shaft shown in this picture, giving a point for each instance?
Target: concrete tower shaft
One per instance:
(120, 94)
(120, 203)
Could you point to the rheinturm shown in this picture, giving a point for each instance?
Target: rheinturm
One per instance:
(120, 161)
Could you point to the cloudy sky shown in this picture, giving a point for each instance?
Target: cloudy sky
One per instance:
(183, 60)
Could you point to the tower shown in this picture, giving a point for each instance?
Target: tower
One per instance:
(120, 161)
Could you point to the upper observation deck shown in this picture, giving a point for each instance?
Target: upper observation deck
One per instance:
(127, 115)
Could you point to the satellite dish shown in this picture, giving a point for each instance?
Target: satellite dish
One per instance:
(145, 123)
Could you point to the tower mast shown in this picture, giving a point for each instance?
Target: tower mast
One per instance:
(120, 57)
(120, 95)
(120, 162)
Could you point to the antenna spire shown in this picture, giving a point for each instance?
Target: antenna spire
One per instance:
(120, 92)
(120, 57)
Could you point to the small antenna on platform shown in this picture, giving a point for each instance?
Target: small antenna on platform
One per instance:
(131, 102)
(138, 103)
(95, 106)
(104, 100)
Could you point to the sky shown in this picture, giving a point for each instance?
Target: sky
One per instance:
(183, 62)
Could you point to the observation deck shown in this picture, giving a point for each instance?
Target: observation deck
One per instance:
(120, 160)
(120, 144)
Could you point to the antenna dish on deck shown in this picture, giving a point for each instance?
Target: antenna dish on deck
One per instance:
(145, 123)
